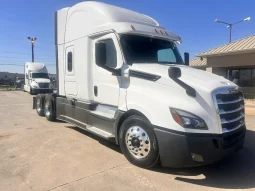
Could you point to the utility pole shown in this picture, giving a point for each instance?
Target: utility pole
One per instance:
(230, 25)
(32, 40)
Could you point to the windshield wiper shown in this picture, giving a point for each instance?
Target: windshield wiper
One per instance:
(165, 62)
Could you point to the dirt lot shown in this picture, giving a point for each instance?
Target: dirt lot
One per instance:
(38, 155)
(250, 107)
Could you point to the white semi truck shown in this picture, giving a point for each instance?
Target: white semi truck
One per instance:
(36, 78)
(122, 77)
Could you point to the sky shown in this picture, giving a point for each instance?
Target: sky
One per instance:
(192, 20)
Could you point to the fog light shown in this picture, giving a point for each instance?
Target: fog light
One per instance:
(197, 158)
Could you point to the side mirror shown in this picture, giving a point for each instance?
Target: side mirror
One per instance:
(186, 58)
(100, 53)
(174, 72)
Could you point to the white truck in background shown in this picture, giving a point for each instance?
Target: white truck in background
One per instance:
(36, 78)
(121, 77)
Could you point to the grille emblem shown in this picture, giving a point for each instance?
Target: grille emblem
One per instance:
(233, 90)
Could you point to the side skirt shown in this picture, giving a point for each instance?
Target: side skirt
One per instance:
(93, 117)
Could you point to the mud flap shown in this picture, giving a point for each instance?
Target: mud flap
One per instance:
(34, 102)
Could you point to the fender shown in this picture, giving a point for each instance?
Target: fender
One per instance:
(140, 109)
(120, 117)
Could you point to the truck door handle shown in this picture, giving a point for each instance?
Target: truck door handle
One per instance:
(95, 91)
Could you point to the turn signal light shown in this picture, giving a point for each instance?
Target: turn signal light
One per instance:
(177, 118)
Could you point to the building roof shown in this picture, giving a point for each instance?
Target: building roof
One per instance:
(198, 62)
(244, 45)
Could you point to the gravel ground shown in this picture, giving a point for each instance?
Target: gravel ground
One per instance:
(39, 155)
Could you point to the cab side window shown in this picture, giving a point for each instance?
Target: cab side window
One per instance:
(111, 53)
(70, 61)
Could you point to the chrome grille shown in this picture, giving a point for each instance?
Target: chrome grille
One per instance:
(230, 139)
(230, 109)
(43, 85)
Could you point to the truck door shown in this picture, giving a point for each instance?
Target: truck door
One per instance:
(70, 78)
(107, 85)
(30, 77)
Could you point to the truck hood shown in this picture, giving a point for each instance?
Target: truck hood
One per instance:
(198, 79)
(41, 80)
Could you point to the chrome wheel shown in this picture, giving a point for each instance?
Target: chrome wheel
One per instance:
(38, 105)
(137, 142)
(47, 108)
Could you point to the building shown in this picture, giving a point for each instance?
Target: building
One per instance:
(7, 78)
(10, 76)
(223, 60)
(199, 63)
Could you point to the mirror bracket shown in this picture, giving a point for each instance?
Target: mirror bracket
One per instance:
(175, 73)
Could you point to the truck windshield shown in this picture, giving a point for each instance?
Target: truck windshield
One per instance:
(40, 75)
(141, 49)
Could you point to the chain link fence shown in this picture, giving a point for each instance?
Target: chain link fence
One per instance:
(249, 95)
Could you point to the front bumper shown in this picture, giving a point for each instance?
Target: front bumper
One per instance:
(177, 149)
(42, 90)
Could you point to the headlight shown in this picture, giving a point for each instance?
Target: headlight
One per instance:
(188, 120)
(34, 85)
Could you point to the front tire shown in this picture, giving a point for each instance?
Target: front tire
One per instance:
(31, 91)
(50, 108)
(138, 142)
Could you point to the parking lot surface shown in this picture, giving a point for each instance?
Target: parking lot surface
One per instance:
(39, 155)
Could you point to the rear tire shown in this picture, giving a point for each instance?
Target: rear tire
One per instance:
(50, 107)
(40, 104)
(138, 142)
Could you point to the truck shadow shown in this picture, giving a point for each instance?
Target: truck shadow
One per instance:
(110, 144)
(235, 172)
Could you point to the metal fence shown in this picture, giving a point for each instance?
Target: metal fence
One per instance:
(7, 82)
(249, 95)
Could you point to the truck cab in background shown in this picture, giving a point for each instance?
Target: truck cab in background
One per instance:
(121, 77)
(36, 78)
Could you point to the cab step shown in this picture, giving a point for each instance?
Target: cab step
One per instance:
(99, 132)
(105, 112)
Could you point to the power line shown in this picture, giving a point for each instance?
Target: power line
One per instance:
(21, 63)
(11, 65)
(48, 65)
(15, 53)
(20, 58)
(21, 54)
(10, 61)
